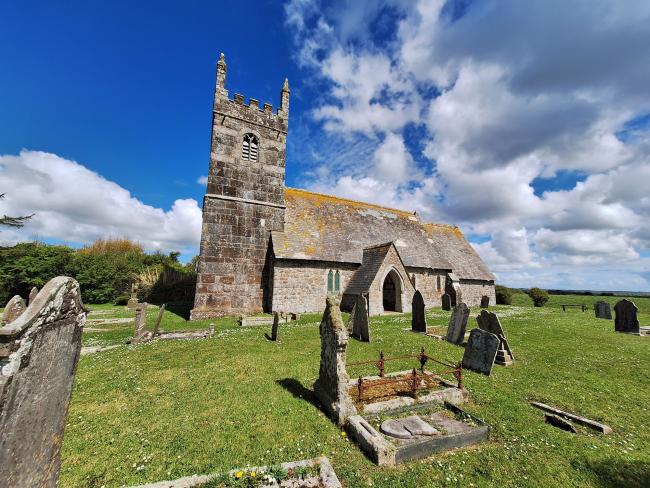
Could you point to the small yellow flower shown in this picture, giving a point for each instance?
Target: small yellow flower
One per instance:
(239, 474)
(253, 474)
(343, 434)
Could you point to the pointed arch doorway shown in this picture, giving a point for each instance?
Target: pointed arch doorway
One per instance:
(392, 292)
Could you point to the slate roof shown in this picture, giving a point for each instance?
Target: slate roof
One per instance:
(373, 257)
(327, 228)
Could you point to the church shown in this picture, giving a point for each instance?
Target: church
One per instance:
(269, 248)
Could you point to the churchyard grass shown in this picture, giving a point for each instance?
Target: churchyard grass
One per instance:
(163, 410)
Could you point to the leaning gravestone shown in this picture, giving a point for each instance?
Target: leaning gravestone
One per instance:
(418, 315)
(359, 319)
(457, 324)
(331, 387)
(485, 301)
(274, 327)
(626, 319)
(32, 294)
(14, 309)
(603, 310)
(446, 301)
(140, 332)
(481, 351)
(489, 321)
(39, 353)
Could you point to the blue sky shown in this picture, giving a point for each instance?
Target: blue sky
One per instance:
(526, 125)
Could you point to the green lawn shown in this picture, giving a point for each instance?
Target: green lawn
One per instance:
(169, 409)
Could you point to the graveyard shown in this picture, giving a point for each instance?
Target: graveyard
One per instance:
(164, 410)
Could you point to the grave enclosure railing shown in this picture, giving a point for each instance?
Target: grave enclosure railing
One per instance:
(414, 381)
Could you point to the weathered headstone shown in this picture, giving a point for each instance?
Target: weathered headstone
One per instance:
(39, 353)
(331, 387)
(481, 351)
(626, 319)
(418, 315)
(485, 301)
(32, 295)
(359, 319)
(457, 324)
(156, 327)
(140, 332)
(14, 309)
(274, 327)
(489, 321)
(603, 310)
(133, 301)
(446, 301)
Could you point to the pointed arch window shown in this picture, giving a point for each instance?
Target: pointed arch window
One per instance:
(250, 148)
(330, 281)
(438, 283)
(337, 282)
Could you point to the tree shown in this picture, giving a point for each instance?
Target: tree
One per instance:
(13, 221)
(503, 295)
(539, 296)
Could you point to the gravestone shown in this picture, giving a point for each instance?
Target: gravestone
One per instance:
(331, 387)
(133, 301)
(418, 315)
(140, 332)
(481, 351)
(359, 319)
(39, 352)
(14, 309)
(457, 324)
(156, 327)
(485, 301)
(489, 322)
(446, 301)
(32, 295)
(626, 319)
(274, 327)
(603, 310)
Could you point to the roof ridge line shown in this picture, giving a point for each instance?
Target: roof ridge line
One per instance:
(334, 197)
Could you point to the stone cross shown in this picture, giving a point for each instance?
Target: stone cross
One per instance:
(446, 301)
(156, 328)
(331, 387)
(140, 332)
(36, 383)
(276, 325)
(626, 319)
(14, 309)
(603, 310)
(32, 295)
(359, 320)
(133, 301)
(485, 301)
(481, 351)
(489, 321)
(418, 315)
(457, 324)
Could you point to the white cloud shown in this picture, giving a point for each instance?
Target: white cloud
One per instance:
(202, 180)
(74, 204)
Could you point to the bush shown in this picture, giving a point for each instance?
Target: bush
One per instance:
(503, 294)
(122, 300)
(539, 296)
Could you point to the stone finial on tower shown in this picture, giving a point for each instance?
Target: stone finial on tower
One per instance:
(221, 75)
(284, 97)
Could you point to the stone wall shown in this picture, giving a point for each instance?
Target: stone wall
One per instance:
(426, 282)
(301, 286)
(473, 290)
(243, 203)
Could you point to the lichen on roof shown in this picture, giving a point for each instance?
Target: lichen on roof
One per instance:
(328, 228)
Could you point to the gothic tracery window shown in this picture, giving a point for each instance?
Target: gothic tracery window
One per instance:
(249, 149)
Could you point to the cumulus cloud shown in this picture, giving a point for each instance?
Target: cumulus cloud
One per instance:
(500, 94)
(76, 205)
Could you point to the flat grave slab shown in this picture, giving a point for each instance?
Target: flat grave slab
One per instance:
(404, 434)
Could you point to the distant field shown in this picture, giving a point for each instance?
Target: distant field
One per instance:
(169, 409)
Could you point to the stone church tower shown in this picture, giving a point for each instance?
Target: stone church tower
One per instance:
(244, 202)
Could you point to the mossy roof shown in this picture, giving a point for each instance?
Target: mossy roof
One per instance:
(327, 228)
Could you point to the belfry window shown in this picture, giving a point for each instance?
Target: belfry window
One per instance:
(249, 149)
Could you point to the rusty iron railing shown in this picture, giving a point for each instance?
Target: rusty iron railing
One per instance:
(413, 381)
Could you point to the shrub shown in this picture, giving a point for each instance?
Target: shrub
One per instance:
(503, 294)
(539, 296)
(122, 300)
